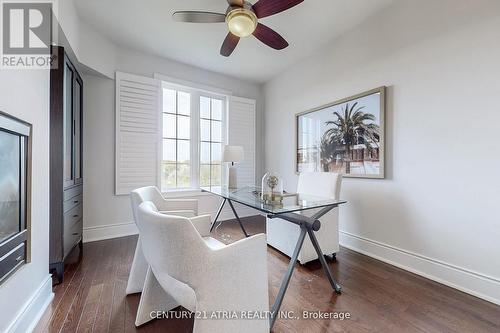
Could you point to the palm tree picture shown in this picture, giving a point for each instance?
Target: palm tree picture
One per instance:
(351, 127)
(344, 137)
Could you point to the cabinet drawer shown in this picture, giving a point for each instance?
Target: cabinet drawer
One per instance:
(73, 215)
(72, 192)
(72, 235)
(72, 203)
(13, 259)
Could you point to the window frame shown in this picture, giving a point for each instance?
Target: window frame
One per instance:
(195, 132)
(177, 116)
(223, 139)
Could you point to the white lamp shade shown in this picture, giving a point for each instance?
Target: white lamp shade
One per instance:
(233, 154)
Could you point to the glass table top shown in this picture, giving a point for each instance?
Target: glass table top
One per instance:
(250, 196)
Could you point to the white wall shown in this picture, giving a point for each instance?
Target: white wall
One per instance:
(25, 295)
(90, 48)
(107, 215)
(435, 214)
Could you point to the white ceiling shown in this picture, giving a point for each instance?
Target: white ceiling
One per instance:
(147, 25)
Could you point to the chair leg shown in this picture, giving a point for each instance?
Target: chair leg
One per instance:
(138, 271)
(153, 299)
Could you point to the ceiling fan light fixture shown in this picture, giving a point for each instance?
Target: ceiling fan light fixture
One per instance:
(241, 22)
(241, 18)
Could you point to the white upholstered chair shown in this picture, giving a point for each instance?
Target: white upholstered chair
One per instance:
(184, 270)
(178, 207)
(283, 235)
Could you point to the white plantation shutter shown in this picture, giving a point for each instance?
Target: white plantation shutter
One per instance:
(137, 131)
(241, 128)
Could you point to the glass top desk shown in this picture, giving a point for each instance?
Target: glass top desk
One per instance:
(288, 211)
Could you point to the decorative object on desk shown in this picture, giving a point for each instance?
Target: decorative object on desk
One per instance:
(272, 189)
(258, 193)
(345, 137)
(233, 154)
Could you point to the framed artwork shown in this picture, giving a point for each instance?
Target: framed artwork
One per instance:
(345, 136)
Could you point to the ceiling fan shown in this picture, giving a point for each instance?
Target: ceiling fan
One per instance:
(242, 20)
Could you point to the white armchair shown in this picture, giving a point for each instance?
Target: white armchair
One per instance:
(283, 235)
(184, 270)
(179, 207)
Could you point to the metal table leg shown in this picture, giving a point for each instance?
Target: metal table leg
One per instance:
(286, 280)
(238, 218)
(321, 257)
(307, 225)
(235, 214)
(218, 213)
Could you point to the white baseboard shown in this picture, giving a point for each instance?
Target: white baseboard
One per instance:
(103, 232)
(474, 283)
(34, 309)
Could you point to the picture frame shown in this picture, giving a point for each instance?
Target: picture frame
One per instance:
(326, 142)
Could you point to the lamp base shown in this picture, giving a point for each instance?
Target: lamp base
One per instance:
(232, 178)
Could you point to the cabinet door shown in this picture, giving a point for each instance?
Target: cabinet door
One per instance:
(78, 89)
(68, 170)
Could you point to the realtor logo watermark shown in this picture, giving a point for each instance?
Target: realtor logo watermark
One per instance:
(27, 33)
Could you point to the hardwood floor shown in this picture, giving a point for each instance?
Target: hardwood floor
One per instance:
(378, 297)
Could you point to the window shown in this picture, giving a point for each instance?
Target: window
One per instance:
(176, 162)
(210, 141)
(170, 133)
(192, 139)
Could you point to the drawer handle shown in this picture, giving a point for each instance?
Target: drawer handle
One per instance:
(75, 215)
(76, 201)
(18, 259)
(75, 234)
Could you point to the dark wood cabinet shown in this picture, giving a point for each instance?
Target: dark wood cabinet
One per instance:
(66, 174)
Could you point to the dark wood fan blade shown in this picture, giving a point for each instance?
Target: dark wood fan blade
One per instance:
(235, 3)
(264, 8)
(198, 17)
(229, 44)
(270, 37)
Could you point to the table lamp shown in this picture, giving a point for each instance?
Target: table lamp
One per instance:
(232, 154)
